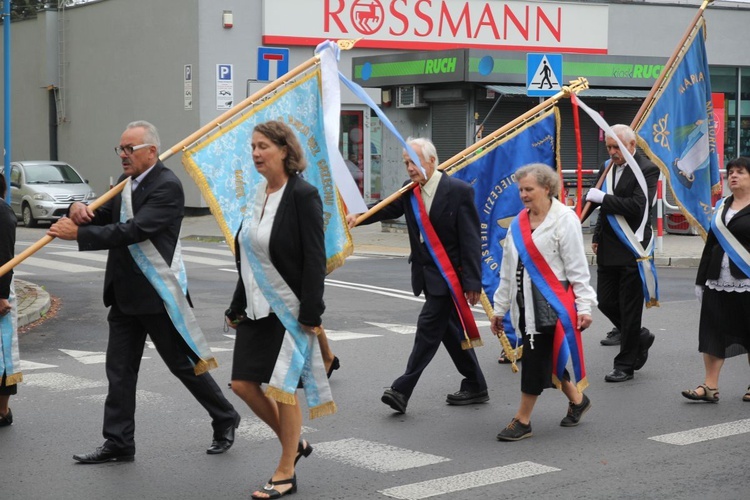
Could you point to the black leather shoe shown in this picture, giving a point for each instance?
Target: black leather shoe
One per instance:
(646, 341)
(467, 398)
(223, 440)
(103, 455)
(618, 376)
(613, 337)
(395, 400)
(7, 419)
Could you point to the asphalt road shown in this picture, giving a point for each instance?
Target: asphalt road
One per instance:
(638, 440)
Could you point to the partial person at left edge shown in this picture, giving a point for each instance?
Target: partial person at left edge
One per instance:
(145, 287)
(9, 359)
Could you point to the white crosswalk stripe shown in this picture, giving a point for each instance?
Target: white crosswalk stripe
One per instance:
(30, 365)
(92, 256)
(374, 456)
(86, 357)
(402, 329)
(701, 434)
(461, 482)
(61, 382)
(57, 265)
(345, 335)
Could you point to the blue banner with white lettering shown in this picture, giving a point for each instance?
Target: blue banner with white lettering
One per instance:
(492, 175)
(678, 133)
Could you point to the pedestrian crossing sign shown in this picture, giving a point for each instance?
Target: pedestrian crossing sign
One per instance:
(543, 74)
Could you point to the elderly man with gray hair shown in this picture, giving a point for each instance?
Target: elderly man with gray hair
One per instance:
(619, 285)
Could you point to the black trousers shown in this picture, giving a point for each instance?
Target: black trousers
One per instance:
(620, 294)
(127, 337)
(438, 323)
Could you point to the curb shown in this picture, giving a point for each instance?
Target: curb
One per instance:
(33, 302)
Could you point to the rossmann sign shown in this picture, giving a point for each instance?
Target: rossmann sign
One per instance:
(440, 24)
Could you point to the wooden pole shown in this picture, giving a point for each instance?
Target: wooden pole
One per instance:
(575, 86)
(649, 101)
(218, 122)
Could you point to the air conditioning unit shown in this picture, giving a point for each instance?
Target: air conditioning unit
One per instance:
(410, 96)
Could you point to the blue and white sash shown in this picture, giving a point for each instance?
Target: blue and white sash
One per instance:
(733, 248)
(10, 362)
(171, 285)
(644, 256)
(300, 356)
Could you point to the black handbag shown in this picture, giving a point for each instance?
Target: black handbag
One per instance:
(545, 316)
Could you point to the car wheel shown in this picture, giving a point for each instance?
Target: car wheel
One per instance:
(28, 217)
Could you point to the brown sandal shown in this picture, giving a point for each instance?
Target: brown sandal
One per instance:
(710, 395)
(746, 397)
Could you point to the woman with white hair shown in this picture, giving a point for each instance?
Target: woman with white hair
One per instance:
(544, 283)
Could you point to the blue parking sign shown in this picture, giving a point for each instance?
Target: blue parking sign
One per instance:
(225, 71)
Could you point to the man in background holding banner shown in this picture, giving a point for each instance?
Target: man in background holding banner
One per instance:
(442, 221)
(146, 289)
(620, 290)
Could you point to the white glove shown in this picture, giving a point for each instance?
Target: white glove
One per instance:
(595, 195)
(699, 293)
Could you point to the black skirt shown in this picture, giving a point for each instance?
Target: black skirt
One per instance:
(256, 348)
(724, 330)
(7, 390)
(536, 366)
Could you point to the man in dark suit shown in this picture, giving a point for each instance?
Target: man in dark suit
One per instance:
(449, 203)
(619, 285)
(136, 308)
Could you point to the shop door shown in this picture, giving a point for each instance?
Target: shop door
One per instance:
(351, 145)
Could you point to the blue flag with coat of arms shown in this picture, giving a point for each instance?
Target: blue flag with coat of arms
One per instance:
(678, 133)
(491, 172)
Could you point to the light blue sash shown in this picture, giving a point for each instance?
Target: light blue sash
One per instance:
(300, 356)
(171, 285)
(10, 362)
(644, 256)
(733, 248)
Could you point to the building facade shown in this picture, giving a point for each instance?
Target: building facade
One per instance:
(451, 70)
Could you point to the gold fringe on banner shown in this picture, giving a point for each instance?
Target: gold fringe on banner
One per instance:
(14, 379)
(323, 410)
(280, 396)
(204, 365)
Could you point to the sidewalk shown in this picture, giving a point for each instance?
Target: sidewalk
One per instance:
(376, 239)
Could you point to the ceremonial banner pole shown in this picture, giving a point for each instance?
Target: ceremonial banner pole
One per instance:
(217, 122)
(574, 86)
(649, 101)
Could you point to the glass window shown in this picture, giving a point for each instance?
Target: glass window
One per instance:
(744, 114)
(724, 80)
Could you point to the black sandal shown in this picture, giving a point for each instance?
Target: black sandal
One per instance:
(303, 450)
(272, 492)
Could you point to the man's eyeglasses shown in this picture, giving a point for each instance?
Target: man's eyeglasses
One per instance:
(129, 150)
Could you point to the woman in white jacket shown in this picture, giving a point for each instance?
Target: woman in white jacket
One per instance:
(556, 233)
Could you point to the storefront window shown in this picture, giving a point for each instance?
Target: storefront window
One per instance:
(724, 80)
(351, 145)
(744, 139)
(376, 158)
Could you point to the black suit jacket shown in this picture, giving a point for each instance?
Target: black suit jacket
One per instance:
(456, 221)
(713, 253)
(629, 201)
(158, 208)
(297, 248)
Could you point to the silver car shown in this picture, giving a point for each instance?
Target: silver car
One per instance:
(43, 190)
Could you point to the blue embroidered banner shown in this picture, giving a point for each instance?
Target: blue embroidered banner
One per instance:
(678, 133)
(492, 175)
(222, 165)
